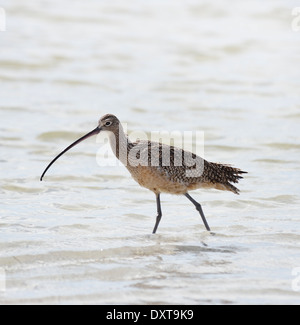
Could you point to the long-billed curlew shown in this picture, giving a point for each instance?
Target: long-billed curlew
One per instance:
(179, 173)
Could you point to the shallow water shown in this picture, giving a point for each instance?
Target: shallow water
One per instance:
(83, 235)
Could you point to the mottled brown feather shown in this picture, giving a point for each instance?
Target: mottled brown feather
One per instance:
(169, 165)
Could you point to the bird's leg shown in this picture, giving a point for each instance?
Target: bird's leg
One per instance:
(159, 214)
(199, 208)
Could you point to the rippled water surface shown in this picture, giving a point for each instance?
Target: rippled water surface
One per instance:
(228, 68)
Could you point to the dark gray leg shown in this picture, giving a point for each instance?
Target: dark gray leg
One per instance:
(159, 214)
(199, 208)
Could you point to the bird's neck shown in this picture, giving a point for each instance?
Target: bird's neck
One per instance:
(120, 145)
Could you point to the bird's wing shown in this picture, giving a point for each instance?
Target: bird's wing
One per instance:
(169, 160)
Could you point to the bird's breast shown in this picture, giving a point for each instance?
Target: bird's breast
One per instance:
(155, 180)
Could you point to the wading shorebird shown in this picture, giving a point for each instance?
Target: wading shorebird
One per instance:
(162, 168)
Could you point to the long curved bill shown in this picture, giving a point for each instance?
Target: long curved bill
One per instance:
(94, 132)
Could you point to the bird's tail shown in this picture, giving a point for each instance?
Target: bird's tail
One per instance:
(223, 175)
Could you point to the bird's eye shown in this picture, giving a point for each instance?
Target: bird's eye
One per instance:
(108, 123)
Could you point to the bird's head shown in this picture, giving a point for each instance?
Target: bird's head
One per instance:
(109, 122)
